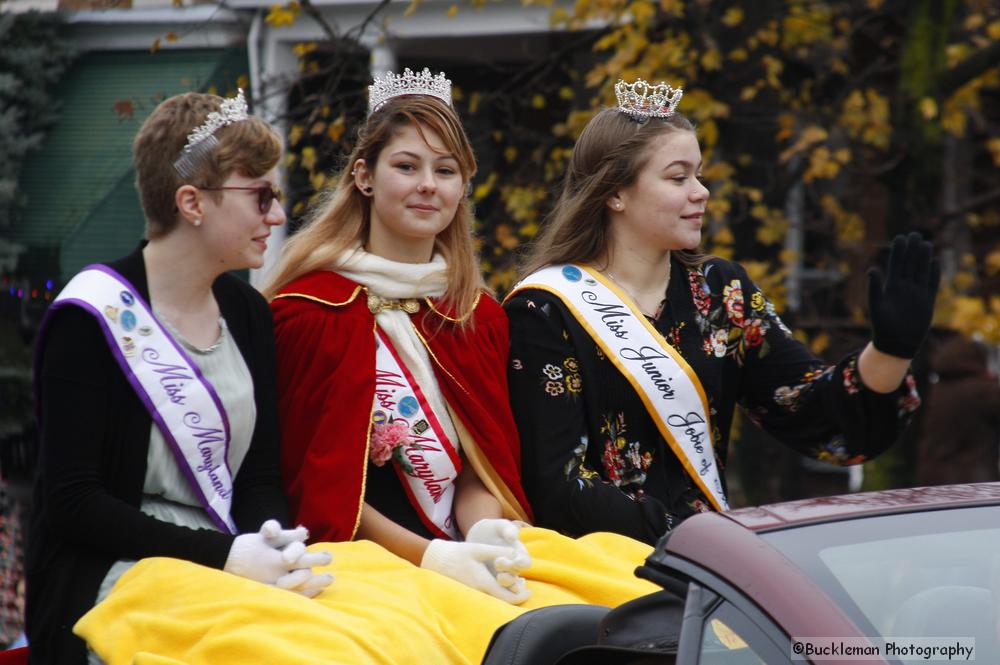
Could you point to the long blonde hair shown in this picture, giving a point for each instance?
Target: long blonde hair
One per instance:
(608, 156)
(342, 218)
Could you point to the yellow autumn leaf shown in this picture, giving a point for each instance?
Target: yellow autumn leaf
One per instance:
(243, 81)
(991, 264)
(336, 129)
(303, 48)
(295, 135)
(738, 55)
(510, 153)
(452, 11)
(317, 180)
(993, 145)
(711, 60)
(566, 92)
(483, 189)
(819, 343)
(281, 16)
(953, 120)
(309, 158)
(974, 21)
(748, 93)
(410, 8)
(155, 46)
(821, 165)
(928, 108)
(538, 101)
(732, 17)
(809, 137)
(993, 30)
(171, 37)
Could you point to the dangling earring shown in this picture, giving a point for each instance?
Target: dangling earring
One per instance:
(197, 221)
(367, 190)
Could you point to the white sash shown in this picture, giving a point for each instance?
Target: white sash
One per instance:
(429, 464)
(665, 383)
(182, 402)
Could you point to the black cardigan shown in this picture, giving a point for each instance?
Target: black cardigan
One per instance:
(92, 465)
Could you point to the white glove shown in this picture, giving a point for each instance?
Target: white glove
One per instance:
(278, 556)
(467, 563)
(275, 536)
(305, 582)
(502, 532)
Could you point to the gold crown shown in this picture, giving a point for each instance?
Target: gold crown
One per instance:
(645, 100)
(392, 85)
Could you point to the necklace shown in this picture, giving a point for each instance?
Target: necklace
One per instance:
(627, 290)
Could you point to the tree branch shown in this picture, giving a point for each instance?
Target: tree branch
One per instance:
(968, 69)
(972, 204)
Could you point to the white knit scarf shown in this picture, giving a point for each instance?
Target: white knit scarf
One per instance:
(393, 280)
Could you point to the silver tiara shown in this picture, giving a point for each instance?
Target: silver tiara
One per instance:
(645, 100)
(202, 141)
(391, 85)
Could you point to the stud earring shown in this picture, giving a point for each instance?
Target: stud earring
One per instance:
(197, 221)
(618, 206)
(368, 190)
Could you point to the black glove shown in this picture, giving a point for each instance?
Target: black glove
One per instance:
(901, 309)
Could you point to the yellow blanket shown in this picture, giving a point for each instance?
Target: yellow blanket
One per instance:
(380, 609)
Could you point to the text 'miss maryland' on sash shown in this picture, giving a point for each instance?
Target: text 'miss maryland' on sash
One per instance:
(428, 463)
(668, 387)
(182, 402)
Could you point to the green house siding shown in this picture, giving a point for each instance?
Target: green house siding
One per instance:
(81, 201)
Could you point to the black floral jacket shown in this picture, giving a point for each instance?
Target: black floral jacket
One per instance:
(593, 459)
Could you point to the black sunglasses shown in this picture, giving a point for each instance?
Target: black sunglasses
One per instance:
(265, 195)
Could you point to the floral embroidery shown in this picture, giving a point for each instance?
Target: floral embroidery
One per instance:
(835, 452)
(732, 298)
(552, 371)
(386, 439)
(624, 465)
(852, 384)
(909, 401)
(516, 363)
(728, 329)
(574, 383)
(584, 475)
(673, 336)
(700, 292)
(562, 378)
(789, 396)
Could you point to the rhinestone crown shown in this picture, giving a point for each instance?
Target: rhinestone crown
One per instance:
(392, 85)
(202, 141)
(645, 100)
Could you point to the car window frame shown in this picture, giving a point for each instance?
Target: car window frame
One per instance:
(709, 591)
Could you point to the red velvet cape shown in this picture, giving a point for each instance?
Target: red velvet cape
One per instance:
(326, 386)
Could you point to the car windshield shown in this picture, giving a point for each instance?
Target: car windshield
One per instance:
(934, 573)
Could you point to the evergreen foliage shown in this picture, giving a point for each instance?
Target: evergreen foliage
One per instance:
(33, 58)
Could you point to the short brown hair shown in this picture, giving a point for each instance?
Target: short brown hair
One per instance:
(250, 147)
(608, 156)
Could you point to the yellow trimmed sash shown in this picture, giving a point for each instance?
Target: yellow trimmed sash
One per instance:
(666, 384)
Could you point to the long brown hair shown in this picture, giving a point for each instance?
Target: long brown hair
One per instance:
(342, 218)
(608, 156)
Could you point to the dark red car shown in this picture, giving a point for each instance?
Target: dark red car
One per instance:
(908, 575)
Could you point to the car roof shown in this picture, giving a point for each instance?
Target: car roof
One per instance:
(864, 504)
(727, 544)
